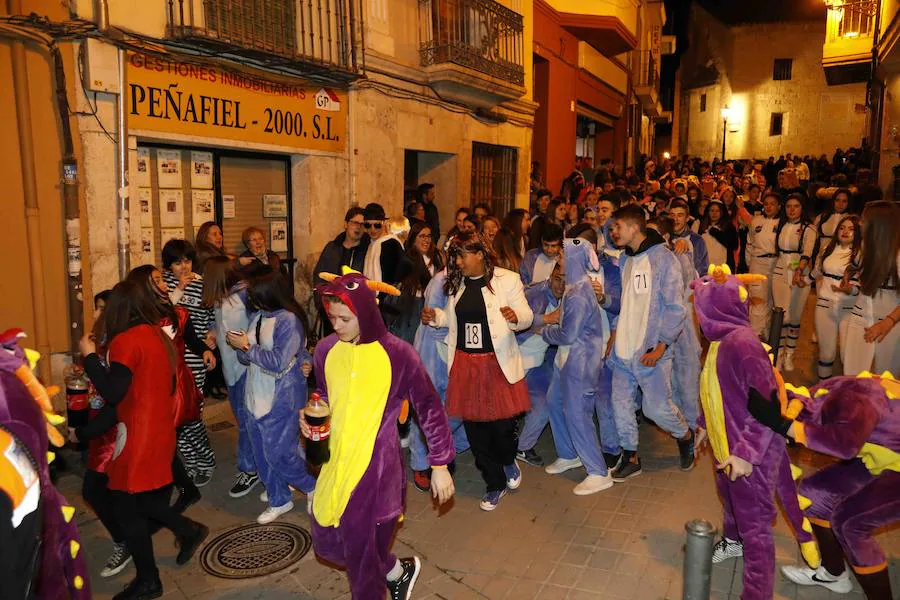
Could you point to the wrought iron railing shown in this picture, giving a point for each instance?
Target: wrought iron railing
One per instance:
(851, 20)
(646, 70)
(482, 35)
(327, 33)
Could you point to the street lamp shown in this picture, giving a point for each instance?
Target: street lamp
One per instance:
(725, 112)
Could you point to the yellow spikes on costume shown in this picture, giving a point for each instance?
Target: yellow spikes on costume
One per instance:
(887, 375)
(78, 582)
(54, 418)
(345, 270)
(56, 438)
(68, 512)
(803, 501)
(329, 277)
(743, 293)
(51, 456)
(32, 356)
(806, 526)
(800, 391)
(74, 547)
(821, 392)
(810, 552)
(891, 385)
(711, 270)
(865, 375)
(37, 391)
(796, 472)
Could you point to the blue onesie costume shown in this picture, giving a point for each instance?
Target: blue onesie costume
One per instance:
(580, 335)
(686, 353)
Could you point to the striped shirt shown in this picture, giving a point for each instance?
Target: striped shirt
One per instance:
(201, 318)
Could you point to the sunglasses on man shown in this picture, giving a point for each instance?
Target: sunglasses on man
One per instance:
(375, 224)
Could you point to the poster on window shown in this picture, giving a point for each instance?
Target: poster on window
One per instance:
(228, 206)
(173, 233)
(202, 206)
(171, 208)
(168, 167)
(278, 236)
(201, 170)
(274, 206)
(145, 198)
(148, 252)
(142, 179)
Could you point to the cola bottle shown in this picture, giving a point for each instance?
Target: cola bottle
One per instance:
(77, 400)
(318, 417)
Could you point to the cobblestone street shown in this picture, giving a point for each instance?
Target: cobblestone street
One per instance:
(542, 541)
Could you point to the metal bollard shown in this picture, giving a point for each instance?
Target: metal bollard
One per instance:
(775, 324)
(701, 536)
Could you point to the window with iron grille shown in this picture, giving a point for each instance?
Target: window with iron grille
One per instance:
(266, 25)
(776, 123)
(494, 176)
(702, 102)
(781, 70)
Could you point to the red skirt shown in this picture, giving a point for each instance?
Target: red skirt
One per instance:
(478, 390)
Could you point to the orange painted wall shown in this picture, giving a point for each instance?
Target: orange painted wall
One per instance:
(15, 285)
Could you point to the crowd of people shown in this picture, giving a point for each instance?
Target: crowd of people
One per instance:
(579, 308)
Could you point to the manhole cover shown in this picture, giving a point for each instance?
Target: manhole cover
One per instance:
(255, 550)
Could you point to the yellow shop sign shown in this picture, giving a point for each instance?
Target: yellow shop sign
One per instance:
(170, 96)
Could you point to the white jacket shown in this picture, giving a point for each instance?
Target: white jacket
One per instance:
(507, 291)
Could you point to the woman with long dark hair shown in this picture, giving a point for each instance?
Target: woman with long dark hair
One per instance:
(518, 223)
(486, 305)
(274, 350)
(836, 296)
(209, 242)
(504, 246)
(140, 383)
(225, 291)
(873, 338)
(425, 260)
(796, 239)
(719, 234)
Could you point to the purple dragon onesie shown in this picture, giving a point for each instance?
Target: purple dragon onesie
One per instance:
(40, 554)
(736, 363)
(360, 491)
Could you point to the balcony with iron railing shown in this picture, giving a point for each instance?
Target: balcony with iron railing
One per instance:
(319, 39)
(472, 50)
(646, 81)
(849, 35)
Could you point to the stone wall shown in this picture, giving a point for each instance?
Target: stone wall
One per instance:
(817, 118)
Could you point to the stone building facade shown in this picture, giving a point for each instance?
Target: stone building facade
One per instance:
(771, 79)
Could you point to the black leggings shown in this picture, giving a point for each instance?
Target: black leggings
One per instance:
(134, 513)
(493, 444)
(99, 498)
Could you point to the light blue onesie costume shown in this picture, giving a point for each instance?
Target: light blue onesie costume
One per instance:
(580, 335)
(686, 353)
(431, 345)
(652, 312)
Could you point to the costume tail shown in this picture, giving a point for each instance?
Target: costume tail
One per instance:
(793, 504)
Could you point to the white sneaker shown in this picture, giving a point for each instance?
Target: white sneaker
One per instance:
(803, 575)
(593, 484)
(726, 549)
(788, 360)
(264, 497)
(273, 512)
(561, 465)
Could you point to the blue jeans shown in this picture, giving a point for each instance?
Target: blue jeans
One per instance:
(245, 460)
(418, 450)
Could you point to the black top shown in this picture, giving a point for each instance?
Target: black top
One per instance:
(473, 335)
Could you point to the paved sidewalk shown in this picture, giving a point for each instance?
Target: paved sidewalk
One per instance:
(542, 541)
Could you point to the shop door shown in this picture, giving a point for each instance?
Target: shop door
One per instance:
(254, 193)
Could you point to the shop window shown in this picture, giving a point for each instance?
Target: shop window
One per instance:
(494, 176)
(781, 70)
(702, 102)
(776, 123)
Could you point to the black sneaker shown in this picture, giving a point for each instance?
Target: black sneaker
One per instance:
(118, 560)
(189, 544)
(403, 587)
(686, 450)
(140, 590)
(613, 461)
(243, 483)
(530, 457)
(630, 467)
(202, 478)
